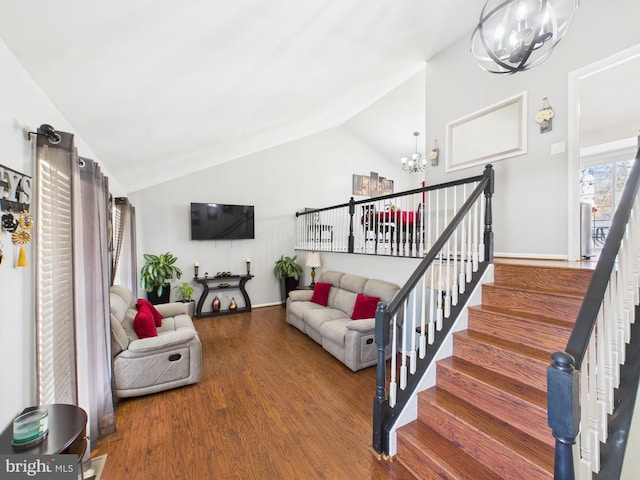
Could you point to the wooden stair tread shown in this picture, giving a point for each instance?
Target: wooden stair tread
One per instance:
(545, 291)
(525, 350)
(524, 316)
(527, 447)
(570, 278)
(507, 384)
(450, 462)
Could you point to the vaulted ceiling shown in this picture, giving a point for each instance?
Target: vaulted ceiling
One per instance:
(165, 87)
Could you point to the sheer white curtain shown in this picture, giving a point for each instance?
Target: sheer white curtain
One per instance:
(91, 215)
(74, 342)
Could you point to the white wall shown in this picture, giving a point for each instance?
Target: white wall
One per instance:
(531, 202)
(24, 106)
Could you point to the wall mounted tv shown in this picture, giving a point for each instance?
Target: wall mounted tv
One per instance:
(216, 221)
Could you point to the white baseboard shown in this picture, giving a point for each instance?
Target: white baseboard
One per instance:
(531, 256)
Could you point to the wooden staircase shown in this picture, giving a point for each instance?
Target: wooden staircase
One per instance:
(486, 418)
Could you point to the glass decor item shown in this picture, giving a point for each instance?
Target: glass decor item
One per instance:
(215, 306)
(233, 305)
(30, 428)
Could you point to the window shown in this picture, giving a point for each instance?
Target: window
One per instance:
(54, 295)
(602, 181)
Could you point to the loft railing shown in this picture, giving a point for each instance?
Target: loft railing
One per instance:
(417, 321)
(582, 379)
(404, 224)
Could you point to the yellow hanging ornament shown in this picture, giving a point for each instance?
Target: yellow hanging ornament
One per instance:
(22, 258)
(21, 237)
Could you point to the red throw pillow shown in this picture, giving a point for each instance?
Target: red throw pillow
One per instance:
(143, 324)
(365, 307)
(321, 293)
(157, 316)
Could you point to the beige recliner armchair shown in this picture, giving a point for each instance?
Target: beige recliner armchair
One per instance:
(148, 365)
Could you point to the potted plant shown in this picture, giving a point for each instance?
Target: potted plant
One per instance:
(185, 292)
(288, 271)
(155, 273)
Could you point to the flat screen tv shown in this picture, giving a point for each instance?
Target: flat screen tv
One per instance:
(216, 221)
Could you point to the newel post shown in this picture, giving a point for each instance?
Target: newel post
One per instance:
(488, 215)
(381, 401)
(563, 411)
(352, 210)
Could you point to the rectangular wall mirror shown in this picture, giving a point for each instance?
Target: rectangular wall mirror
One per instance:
(493, 133)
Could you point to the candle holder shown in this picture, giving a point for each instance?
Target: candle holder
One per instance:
(195, 270)
(248, 267)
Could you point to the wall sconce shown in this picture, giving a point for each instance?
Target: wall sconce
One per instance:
(46, 130)
(313, 261)
(516, 35)
(434, 154)
(545, 115)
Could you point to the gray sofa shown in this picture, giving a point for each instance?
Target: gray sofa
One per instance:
(148, 365)
(350, 341)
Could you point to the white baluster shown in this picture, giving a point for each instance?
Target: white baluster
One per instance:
(584, 438)
(423, 338)
(454, 286)
(601, 380)
(432, 305)
(475, 236)
(463, 249)
(608, 366)
(593, 407)
(445, 278)
(469, 248)
(412, 364)
(428, 225)
(403, 367)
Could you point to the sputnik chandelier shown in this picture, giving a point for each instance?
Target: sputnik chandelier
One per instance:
(516, 35)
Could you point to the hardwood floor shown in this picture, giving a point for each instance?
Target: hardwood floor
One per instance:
(272, 404)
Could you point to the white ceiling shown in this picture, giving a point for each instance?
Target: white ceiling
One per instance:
(181, 85)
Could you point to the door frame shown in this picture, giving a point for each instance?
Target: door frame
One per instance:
(573, 139)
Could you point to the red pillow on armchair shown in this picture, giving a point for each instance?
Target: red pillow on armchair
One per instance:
(321, 293)
(143, 323)
(157, 316)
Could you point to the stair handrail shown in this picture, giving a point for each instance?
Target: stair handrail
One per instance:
(382, 416)
(350, 208)
(563, 373)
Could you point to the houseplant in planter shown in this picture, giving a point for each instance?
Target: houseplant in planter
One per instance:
(185, 295)
(154, 275)
(288, 271)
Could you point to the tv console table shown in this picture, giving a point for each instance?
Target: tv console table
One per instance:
(209, 284)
